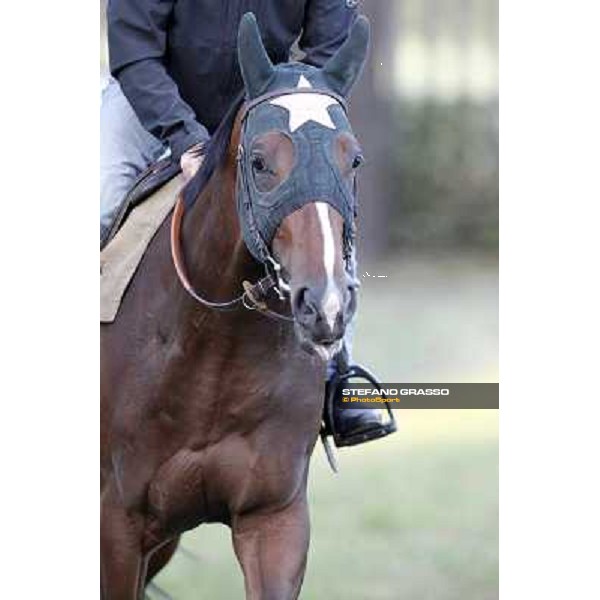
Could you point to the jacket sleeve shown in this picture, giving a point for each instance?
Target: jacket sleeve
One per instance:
(137, 41)
(326, 26)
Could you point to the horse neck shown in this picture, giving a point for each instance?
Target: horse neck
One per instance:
(216, 256)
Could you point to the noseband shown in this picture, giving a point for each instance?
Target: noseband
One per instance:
(254, 296)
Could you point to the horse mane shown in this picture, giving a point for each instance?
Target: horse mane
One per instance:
(216, 152)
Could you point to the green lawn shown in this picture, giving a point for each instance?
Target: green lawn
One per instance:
(414, 516)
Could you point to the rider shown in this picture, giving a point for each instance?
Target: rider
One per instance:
(174, 74)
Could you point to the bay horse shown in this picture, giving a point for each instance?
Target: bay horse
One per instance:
(210, 415)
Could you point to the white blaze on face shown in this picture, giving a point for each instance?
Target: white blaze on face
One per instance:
(306, 107)
(331, 299)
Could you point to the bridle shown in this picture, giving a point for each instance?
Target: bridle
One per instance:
(254, 296)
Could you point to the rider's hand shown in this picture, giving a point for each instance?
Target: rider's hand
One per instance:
(191, 160)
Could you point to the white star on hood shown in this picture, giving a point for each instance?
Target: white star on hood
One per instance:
(306, 107)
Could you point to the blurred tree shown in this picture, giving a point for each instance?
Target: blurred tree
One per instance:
(371, 114)
(445, 170)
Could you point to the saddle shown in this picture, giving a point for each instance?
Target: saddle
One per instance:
(144, 210)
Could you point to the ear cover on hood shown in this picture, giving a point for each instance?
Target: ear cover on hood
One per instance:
(339, 73)
(255, 64)
(343, 69)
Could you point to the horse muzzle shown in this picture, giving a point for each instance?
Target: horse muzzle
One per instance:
(321, 314)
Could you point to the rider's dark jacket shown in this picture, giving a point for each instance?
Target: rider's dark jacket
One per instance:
(176, 60)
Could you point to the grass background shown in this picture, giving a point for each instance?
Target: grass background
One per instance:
(415, 515)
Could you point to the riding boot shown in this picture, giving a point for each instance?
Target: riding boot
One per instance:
(352, 426)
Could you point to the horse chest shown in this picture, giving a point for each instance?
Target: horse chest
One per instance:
(234, 476)
(227, 436)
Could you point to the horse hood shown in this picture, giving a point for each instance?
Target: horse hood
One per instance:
(307, 105)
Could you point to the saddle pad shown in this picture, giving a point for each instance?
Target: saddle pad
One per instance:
(120, 258)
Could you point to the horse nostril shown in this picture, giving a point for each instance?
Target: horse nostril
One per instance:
(302, 304)
(306, 308)
(350, 300)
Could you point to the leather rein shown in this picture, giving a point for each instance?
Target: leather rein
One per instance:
(254, 296)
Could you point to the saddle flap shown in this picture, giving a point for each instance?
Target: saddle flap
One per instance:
(120, 259)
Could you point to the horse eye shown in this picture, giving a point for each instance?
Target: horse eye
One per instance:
(258, 164)
(359, 159)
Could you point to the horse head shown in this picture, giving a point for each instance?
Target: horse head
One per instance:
(296, 182)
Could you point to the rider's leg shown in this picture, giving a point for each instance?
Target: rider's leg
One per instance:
(126, 149)
(333, 364)
(359, 423)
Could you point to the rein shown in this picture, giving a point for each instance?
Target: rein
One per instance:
(252, 298)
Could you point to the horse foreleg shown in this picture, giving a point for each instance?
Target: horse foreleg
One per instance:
(160, 558)
(272, 549)
(123, 566)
